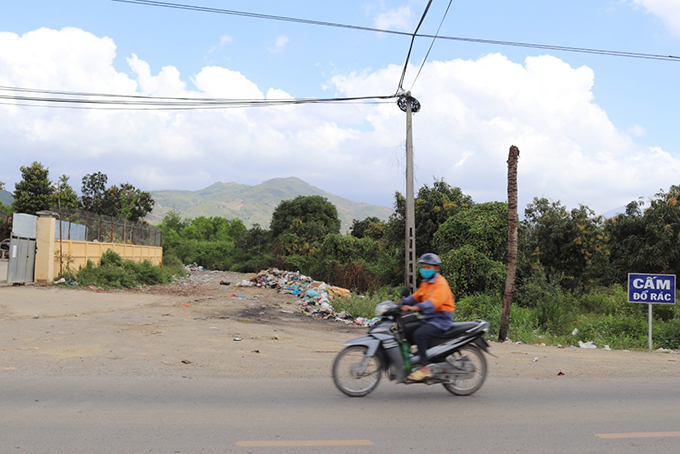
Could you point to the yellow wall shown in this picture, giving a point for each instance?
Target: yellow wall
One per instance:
(79, 252)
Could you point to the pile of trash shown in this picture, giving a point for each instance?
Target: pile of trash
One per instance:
(194, 267)
(316, 296)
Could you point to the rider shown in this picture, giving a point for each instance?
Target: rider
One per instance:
(435, 301)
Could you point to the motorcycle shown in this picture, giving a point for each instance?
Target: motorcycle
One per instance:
(456, 356)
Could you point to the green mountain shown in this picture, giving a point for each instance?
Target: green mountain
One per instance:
(254, 204)
(6, 197)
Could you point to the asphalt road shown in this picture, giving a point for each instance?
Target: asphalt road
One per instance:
(162, 415)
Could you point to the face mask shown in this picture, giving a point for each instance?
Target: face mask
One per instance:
(427, 274)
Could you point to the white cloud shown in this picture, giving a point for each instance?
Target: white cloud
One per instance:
(279, 44)
(667, 10)
(472, 111)
(400, 19)
(224, 40)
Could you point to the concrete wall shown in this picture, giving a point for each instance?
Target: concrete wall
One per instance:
(77, 253)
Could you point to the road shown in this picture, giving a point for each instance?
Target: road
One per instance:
(88, 414)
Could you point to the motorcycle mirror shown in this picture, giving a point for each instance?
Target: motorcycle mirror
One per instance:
(405, 292)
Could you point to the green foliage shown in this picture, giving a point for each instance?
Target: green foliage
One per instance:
(109, 257)
(483, 226)
(364, 305)
(649, 241)
(114, 272)
(433, 207)
(93, 191)
(569, 244)
(555, 308)
(310, 218)
(370, 227)
(64, 196)
(33, 193)
(469, 271)
(127, 202)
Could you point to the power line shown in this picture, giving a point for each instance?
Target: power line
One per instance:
(84, 100)
(431, 44)
(413, 38)
(611, 53)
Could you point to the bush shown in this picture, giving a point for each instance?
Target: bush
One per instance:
(109, 257)
(555, 309)
(116, 273)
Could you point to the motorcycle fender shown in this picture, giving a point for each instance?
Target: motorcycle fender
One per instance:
(484, 345)
(390, 355)
(368, 341)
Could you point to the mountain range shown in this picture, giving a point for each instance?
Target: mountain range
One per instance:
(254, 204)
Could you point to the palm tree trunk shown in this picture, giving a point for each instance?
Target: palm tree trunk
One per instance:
(513, 157)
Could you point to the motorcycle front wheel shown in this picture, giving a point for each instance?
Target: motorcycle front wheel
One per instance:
(354, 373)
(477, 363)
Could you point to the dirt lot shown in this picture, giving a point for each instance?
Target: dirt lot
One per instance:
(198, 328)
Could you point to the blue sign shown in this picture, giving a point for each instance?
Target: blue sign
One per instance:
(651, 288)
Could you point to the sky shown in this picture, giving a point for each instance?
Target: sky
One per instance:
(592, 129)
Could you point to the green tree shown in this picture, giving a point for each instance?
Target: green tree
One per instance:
(484, 226)
(433, 206)
(64, 196)
(127, 202)
(647, 241)
(474, 247)
(93, 193)
(358, 228)
(570, 246)
(307, 218)
(34, 191)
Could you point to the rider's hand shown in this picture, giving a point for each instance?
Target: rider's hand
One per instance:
(409, 308)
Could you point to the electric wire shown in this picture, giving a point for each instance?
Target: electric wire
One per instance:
(400, 88)
(431, 45)
(111, 101)
(612, 53)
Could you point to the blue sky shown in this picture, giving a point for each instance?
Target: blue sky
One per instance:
(594, 130)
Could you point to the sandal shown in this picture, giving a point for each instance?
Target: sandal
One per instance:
(419, 375)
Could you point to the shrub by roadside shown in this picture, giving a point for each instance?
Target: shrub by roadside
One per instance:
(114, 272)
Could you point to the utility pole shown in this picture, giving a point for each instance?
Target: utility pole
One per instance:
(410, 105)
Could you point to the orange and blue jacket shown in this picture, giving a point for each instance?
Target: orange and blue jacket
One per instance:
(435, 300)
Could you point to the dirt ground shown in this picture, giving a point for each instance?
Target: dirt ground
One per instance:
(198, 328)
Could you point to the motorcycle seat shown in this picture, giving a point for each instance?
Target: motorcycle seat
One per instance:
(456, 330)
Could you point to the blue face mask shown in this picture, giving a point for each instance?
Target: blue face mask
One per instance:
(427, 274)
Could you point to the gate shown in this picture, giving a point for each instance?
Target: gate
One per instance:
(21, 267)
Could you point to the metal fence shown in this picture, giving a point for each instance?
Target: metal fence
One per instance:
(104, 229)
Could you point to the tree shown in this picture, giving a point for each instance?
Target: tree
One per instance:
(308, 217)
(513, 157)
(484, 226)
(127, 202)
(649, 241)
(360, 229)
(64, 196)
(93, 192)
(473, 247)
(570, 246)
(433, 207)
(33, 192)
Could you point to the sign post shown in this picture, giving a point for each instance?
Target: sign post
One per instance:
(651, 289)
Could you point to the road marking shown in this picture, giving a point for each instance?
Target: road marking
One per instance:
(252, 444)
(640, 435)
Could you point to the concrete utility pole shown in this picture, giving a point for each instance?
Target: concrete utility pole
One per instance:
(410, 105)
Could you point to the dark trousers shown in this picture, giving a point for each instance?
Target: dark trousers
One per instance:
(421, 335)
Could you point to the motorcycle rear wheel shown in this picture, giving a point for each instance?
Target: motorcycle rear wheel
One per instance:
(465, 387)
(346, 371)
